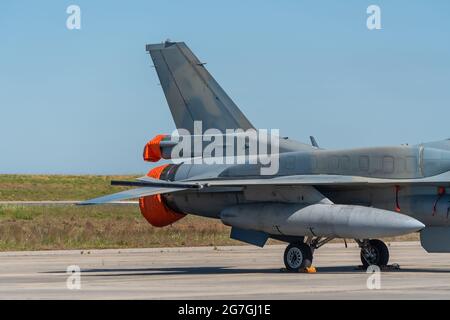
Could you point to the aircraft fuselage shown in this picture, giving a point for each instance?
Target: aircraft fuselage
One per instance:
(425, 203)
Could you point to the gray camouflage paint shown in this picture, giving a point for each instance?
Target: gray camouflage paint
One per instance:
(392, 178)
(403, 162)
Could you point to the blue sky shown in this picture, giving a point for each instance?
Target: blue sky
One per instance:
(86, 101)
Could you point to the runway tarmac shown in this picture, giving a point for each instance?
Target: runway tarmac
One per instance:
(241, 272)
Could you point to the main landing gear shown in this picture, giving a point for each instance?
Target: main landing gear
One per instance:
(373, 252)
(298, 256)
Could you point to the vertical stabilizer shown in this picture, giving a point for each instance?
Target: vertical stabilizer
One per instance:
(191, 92)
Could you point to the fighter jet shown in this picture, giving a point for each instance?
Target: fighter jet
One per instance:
(313, 196)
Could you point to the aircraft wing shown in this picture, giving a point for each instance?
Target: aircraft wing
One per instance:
(131, 194)
(331, 180)
(149, 186)
(300, 180)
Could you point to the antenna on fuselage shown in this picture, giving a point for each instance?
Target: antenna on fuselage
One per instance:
(314, 142)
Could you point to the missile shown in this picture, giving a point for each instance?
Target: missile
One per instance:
(324, 220)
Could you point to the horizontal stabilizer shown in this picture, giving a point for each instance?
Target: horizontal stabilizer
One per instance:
(151, 182)
(58, 203)
(130, 194)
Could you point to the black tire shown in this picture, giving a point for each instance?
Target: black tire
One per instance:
(297, 256)
(379, 254)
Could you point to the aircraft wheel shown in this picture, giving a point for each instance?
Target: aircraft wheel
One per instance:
(375, 253)
(297, 256)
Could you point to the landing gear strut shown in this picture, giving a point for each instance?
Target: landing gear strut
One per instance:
(299, 255)
(373, 252)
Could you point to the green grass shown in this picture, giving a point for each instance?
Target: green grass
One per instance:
(56, 187)
(71, 227)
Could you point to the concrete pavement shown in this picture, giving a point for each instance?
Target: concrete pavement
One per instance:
(241, 272)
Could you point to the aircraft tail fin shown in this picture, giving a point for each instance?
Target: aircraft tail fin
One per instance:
(191, 92)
